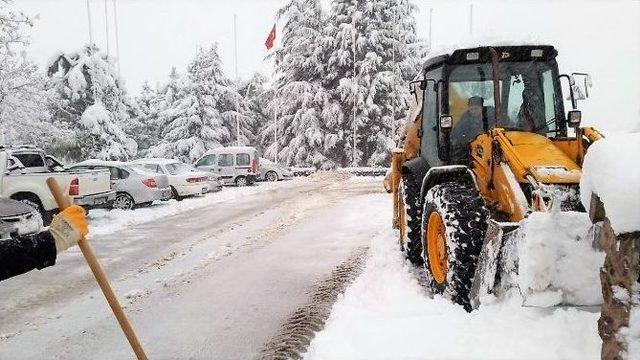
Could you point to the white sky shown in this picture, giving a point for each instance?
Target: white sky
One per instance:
(599, 37)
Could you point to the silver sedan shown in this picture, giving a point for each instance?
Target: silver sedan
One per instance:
(270, 171)
(133, 185)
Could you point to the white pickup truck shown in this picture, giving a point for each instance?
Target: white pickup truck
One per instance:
(24, 171)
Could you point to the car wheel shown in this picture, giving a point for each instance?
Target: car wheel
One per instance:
(271, 176)
(34, 202)
(175, 195)
(241, 181)
(123, 201)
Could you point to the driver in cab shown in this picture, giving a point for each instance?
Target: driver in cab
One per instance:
(471, 122)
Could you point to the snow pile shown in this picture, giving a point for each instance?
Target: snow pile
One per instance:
(557, 263)
(385, 314)
(611, 170)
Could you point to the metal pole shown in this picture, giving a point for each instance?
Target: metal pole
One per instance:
(396, 37)
(115, 18)
(471, 19)
(89, 19)
(275, 132)
(235, 44)
(430, 26)
(355, 87)
(106, 25)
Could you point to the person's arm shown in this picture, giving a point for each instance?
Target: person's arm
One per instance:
(22, 254)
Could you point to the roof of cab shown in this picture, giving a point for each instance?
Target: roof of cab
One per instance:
(98, 162)
(506, 53)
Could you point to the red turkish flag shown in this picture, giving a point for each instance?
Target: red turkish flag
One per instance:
(271, 38)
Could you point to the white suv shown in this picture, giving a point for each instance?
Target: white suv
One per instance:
(233, 165)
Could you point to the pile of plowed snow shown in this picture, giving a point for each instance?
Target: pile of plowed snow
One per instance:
(612, 171)
(386, 314)
(558, 262)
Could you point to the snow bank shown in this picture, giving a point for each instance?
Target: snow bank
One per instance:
(385, 314)
(557, 261)
(611, 170)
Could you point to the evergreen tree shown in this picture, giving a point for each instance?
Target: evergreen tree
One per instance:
(196, 113)
(144, 114)
(387, 55)
(300, 98)
(257, 95)
(86, 98)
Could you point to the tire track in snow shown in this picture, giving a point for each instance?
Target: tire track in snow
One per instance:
(296, 333)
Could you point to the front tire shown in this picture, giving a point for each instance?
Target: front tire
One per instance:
(123, 201)
(271, 176)
(454, 222)
(412, 245)
(241, 181)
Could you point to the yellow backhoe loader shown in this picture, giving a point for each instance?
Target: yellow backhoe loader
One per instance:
(487, 142)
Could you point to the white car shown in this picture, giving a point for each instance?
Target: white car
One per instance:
(270, 171)
(184, 179)
(234, 165)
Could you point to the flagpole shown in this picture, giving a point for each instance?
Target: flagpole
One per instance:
(275, 131)
(115, 19)
(235, 44)
(106, 25)
(353, 81)
(89, 19)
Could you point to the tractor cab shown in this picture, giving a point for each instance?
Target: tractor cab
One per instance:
(472, 91)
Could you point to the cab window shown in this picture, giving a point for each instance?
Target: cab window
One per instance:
(225, 160)
(30, 160)
(207, 160)
(242, 160)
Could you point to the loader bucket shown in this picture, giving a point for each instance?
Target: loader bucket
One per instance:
(487, 270)
(551, 258)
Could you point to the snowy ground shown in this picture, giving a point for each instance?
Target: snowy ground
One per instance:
(387, 314)
(209, 278)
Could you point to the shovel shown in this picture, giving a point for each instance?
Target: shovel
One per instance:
(101, 277)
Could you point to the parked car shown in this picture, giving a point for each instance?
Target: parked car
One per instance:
(270, 171)
(18, 218)
(133, 186)
(237, 165)
(25, 169)
(184, 179)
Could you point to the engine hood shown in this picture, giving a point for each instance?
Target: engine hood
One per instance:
(542, 159)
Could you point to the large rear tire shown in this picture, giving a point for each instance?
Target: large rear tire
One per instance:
(454, 223)
(412, 246)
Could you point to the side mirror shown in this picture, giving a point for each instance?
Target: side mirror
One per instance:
(446, 122)
(581, 84)
(574, 117)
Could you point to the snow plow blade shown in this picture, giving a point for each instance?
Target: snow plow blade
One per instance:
(487, 269)
(550, 258)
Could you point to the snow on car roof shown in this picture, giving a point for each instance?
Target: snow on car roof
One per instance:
(155, 161)
(99, 162)
(231, 148)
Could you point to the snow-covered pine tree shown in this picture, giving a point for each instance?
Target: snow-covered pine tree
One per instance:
(143, 119)
(86, 97)
(300, 97)
(24, 117)
(197, 113)
(387, 55)
(221, 103)
(257, 94)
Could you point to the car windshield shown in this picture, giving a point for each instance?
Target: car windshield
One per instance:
(178, 168)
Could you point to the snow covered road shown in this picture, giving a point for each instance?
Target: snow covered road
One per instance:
(212, 281)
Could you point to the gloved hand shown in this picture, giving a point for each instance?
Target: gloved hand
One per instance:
(68, 227)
